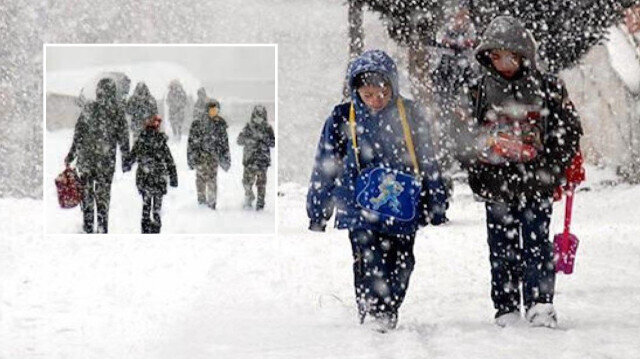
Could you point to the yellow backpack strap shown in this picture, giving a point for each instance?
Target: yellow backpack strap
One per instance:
(354, 141)
(407, 136)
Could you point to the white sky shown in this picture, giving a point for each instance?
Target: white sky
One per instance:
(243, 72)
(208, 63)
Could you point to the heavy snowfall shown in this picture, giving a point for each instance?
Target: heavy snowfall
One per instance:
(68, 85)
(291, 295)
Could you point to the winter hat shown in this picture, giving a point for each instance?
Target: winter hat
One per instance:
(213, 103)
(507, 33)
(259, 112)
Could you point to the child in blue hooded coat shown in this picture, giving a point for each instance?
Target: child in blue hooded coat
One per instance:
(381, 132)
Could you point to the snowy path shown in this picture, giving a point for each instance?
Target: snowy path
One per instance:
(291, 297)
(180, 212)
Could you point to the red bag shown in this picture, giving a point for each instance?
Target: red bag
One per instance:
(69, 188)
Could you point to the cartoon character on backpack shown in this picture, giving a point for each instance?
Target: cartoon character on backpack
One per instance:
(390, 189)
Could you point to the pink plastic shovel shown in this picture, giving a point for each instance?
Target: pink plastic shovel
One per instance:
(565, 244)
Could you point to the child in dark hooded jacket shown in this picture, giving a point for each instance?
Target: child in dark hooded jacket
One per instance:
(257, 138)
(155, 163)
(379, 131)
(208, 148)
(526, 133)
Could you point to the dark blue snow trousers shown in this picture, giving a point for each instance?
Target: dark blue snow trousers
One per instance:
(520, 253)
(382, 266)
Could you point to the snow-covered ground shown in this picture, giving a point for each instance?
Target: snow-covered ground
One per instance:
(180, 211)
(291, 297)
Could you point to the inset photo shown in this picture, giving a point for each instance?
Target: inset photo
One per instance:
(171, 139)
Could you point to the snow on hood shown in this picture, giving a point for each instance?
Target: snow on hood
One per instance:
(372, 61)
(157, 76)
(508, 33)
(624, 59)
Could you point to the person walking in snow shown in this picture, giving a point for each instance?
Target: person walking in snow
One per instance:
(525, 132)
(155, 164)
(100, 129)
(257, 138)
(200, 106)
(208, 148)
(375, 166)
(177, 102)
(140, 107)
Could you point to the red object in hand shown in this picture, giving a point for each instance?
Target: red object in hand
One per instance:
(69, 188)
(513, 148)
(565, 244)
(575, 173)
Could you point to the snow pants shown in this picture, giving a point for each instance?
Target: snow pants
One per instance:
(258, 176)
(96, 198)
(382, 266)
(206, 183)
(520, 253)
(151, 206)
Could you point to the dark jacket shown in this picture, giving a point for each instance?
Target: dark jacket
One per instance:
(155, 163)
(381, 142)
(208, 141)
(140, 106)
(556, 122)
(257, 138)
(100, 129)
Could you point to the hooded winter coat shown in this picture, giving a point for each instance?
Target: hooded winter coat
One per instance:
(100, 128)
(556, 122)
(208, 141)
(155, 163)
(381, 142)
(140, 106)
(257, 138)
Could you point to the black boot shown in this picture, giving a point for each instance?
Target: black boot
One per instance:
(155, 227)
(146, 226)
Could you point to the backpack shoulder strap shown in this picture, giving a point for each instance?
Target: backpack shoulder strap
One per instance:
(407, 136)
(406, 129)
(354, 140)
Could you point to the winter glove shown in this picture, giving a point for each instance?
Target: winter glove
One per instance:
(225, 164)
(317, 226)
(575, 174)
(438, 219)
(67, 161)
(435, 219)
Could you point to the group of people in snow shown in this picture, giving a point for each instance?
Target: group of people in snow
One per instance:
(102, 128)
(376, 168)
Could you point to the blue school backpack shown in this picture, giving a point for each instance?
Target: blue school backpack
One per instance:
(388, 197)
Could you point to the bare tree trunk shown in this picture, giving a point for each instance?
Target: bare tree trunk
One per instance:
(356, 36)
